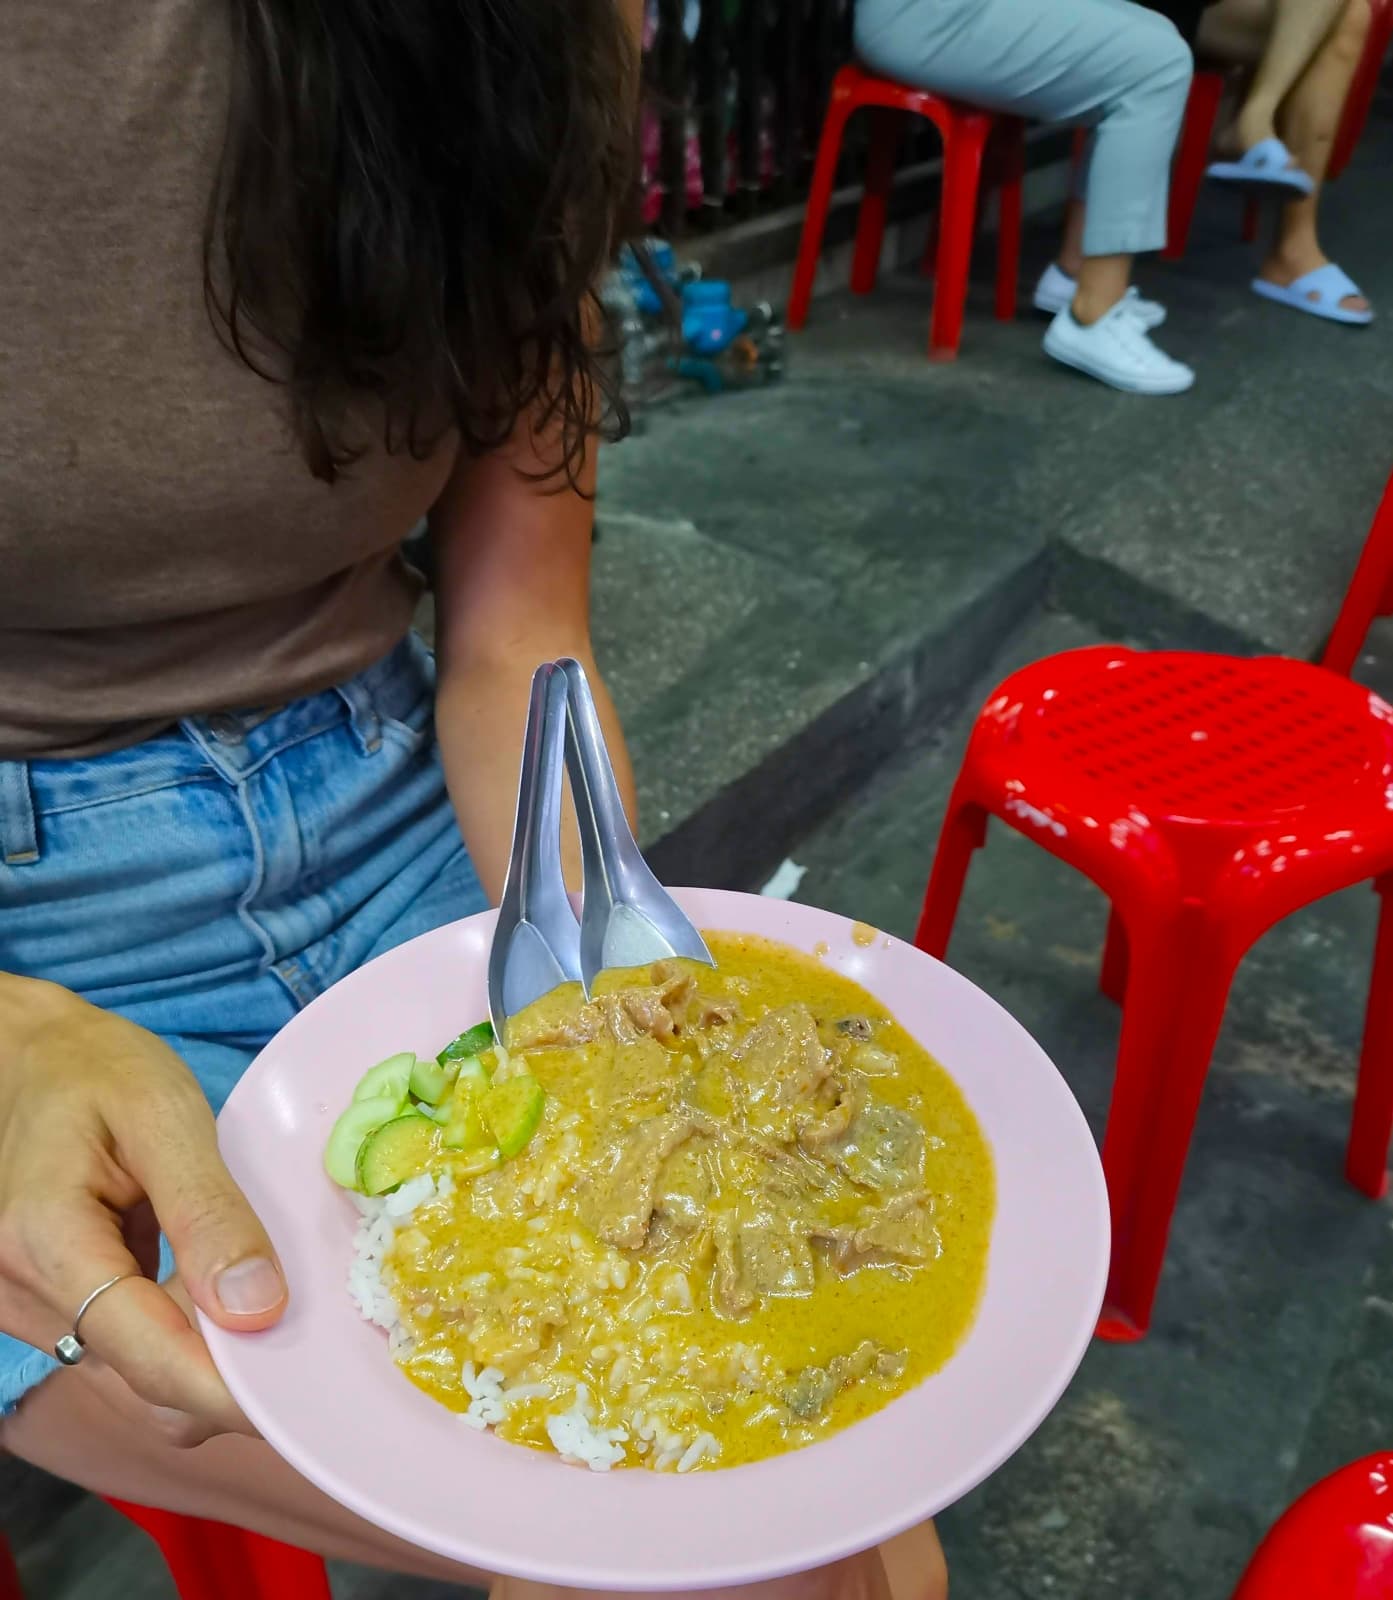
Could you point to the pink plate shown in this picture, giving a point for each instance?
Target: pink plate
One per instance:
(324, 1392)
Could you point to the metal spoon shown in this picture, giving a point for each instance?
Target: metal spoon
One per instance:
(536, 946)
(628, 919)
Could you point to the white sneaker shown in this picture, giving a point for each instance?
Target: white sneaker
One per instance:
(1056, 289)
(1118, 351)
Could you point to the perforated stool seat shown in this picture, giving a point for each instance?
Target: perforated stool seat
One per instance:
(1208, 797)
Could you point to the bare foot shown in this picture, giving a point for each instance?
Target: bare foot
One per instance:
(1290, 262)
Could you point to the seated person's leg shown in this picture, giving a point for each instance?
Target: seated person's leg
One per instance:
(910, 1567)
(1280, 39)
(86, 1426)
(1072, 61)
(1308, 120)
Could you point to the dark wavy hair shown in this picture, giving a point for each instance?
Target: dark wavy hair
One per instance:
(415, 203)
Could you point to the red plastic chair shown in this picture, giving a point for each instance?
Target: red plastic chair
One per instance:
(965, 131)
(1335, 1543)
(211, 1561)
(1370, 594)
(1361, 92)
(1208, 797)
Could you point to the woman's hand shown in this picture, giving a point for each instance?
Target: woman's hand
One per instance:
(105, 1137)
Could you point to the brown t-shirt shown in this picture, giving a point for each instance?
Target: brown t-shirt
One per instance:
(163, 548)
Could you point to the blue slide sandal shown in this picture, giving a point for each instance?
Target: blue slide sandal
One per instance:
(1265, 169)
(1318, 293)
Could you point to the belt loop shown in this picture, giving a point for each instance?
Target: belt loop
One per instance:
(362, 715)
(19, 837)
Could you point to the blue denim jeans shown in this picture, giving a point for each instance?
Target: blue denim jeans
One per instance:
(211, 881)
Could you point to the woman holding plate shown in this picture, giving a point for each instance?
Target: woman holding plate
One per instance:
(277, 280)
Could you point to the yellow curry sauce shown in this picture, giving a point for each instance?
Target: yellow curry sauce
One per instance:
(755, 1210)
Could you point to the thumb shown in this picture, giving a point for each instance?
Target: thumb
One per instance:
(224, 1256)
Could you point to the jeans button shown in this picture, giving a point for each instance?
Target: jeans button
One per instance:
(225, 728)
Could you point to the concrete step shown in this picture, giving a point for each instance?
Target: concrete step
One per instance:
(786, 588)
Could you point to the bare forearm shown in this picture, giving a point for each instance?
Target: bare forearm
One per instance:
(480, 714)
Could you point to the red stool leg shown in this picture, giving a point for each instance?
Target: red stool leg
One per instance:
(1113, 978)
(202, 1565)
(819, 199)
(212, 1561)
(9, 1573)
(963, 145)
(1008, 242)
(964, 830)
(1366, 1160)
(283, 1572)
(875, 200)
(1201, 112)
(1369, 592)
(1179, 986)
(1249, 226)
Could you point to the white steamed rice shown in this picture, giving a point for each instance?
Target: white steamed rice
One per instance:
(573, 1431)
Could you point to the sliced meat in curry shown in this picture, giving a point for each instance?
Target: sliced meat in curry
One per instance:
(622, 1197)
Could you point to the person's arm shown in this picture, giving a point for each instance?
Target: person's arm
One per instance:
(512, 577)
(512, 591)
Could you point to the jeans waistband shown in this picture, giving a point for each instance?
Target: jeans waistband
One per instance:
(229, 744)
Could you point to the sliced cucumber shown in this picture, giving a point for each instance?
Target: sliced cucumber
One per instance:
(473, 1074)
(464, 1128)
(389, 1077)
(401, 1149)
(431, 1080)
(512, 1110)
(470, 1043)
(361, 1118)
(472, 1163)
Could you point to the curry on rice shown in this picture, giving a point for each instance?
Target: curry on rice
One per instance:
(751, 1210)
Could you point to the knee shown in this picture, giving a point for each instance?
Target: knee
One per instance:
(1352, 28)
(1175, 61)
(1162, 62)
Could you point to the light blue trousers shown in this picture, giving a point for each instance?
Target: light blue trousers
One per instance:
(1114, 66)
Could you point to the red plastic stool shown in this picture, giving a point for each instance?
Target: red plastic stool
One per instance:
(1335, 1543)
(211, 1561)
(1370, 593)
(1360, 98)
(1208, 797)
(965, 131)
(1191, 158)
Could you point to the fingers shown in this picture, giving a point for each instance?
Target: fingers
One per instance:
(171, 1424)
(137, 1329)
(134, 1327)
(225, 1257)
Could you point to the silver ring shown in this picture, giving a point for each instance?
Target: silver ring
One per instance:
(70, 1348)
